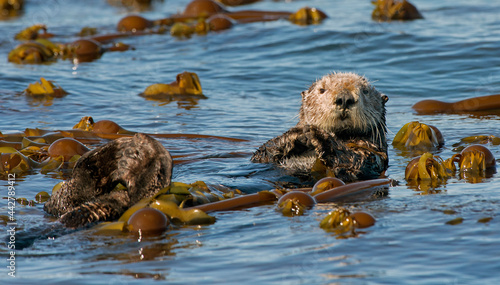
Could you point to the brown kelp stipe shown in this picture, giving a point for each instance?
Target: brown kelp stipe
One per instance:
(250, 200)
(265, 197)
(107, 129)
(203, 9)
(355, 188)
(170, 136)
(476, 104)
(54, 150)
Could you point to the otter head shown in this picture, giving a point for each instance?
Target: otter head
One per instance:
(347, 105)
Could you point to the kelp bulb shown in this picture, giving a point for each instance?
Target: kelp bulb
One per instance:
(67, 147)
(148, 221)
(303, 198)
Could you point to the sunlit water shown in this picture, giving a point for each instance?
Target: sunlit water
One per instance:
(252, 76)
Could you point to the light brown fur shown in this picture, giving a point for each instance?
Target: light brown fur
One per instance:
(341, 123)
(366, 114)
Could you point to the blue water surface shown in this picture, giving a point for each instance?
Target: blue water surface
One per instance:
(252, 76)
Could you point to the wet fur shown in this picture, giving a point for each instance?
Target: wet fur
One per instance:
(342, 123)
(139, 163)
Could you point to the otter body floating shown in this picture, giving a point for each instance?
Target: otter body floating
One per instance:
(139, 163)
(347, 139)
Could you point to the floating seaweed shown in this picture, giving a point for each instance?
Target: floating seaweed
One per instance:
(13, 161)
(418, 137)
(197, 11)
(186, 30)
(57, 151)
(476, 162)
(32, 52)
(483, 104)
(147, 221)
(428, 171)
(480, 139)
(32, 33)
(186, 83)
(186, 90)
(325, 184)
(11, 8)
(390, 10)
(344, 224)
(294, 203)
(199, 16)
(45, 88)
(307, 16)
(133, 5)
(427, 167)
(237, 2)
(37, 49)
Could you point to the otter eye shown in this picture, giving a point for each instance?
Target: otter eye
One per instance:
(365, 90)
(322, 90)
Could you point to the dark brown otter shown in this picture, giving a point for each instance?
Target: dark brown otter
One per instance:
(140, 163)
(341, 124)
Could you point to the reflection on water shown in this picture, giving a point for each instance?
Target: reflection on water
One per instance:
(252, 78)
(183, 101)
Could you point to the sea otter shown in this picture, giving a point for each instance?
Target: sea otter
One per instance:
(341, 124)
(140, 163)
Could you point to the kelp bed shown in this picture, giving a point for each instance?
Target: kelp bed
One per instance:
(436, 224)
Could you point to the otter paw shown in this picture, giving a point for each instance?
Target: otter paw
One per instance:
(90, 212)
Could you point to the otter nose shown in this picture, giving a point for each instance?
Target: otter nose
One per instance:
(344, 101)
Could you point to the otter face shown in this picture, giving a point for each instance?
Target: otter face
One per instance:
(344, 103)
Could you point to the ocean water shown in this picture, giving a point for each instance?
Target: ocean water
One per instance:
(252, 76)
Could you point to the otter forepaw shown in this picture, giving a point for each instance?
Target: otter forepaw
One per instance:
(88, 213)
(321, 141)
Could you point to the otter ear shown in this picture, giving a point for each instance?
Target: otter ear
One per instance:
(311, 89)
(303, 94)
(385, 98)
